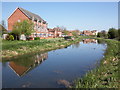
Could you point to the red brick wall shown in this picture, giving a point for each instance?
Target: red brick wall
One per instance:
(17, 15)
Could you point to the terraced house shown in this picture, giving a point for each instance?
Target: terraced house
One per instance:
(20, 14)
(55, 32)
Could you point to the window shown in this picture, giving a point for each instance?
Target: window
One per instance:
(18, 20)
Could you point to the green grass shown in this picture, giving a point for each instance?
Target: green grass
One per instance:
(15, 48)
(105, 75)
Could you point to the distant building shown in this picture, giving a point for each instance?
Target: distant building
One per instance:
(95, 32)
(20, 14)
(55, 32)
(88, 32)
(70, 33)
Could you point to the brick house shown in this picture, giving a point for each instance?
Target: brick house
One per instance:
(55, 32)
(20, 14)
(87, 32)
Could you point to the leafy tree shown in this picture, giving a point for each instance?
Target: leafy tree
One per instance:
(102, 34)
(99, 34)
(119, 34)
(2, 28)
(25, 27)
(65, 32)
(112, 33)
(63, 29)
(75, 33)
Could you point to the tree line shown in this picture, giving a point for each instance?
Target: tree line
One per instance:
(111, 34)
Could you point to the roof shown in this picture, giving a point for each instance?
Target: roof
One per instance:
(50, 30)
(30, 15)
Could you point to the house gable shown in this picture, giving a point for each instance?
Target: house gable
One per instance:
(16, 16)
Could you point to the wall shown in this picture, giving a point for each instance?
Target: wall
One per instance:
(17, 15)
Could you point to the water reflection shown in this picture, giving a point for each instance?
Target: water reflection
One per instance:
(76, 45)
(61, 66)
(85, 41)
(22, 65)
(101, 41)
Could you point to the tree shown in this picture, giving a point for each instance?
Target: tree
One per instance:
(76, 33)
(3, 24)
(65, 32)
(2, 28)
(102, 34)
(99, 34)
(119, 34)
(112, 33)
(25, 27)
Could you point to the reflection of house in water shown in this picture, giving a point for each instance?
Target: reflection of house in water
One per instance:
(76, 45)
(89, 41)
(21, 68)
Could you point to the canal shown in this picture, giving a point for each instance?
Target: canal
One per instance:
(48, 69)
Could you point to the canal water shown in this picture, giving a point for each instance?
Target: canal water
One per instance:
(48, 69)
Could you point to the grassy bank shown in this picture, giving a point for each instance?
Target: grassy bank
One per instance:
(15, 48)
(106, 75)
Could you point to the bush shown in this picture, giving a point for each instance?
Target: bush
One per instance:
(7, 37)
(37, 38)
(102, 34)
(112, 33)
(11, 37)
(29, 38)
(67, 37)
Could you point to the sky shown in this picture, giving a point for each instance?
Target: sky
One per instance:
(72, 15)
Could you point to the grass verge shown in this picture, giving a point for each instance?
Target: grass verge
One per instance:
(106, 75)
(15, 48)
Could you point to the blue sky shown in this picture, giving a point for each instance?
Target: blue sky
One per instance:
(78, 15)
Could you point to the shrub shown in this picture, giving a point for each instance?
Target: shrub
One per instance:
(67, 37)
(11, 37)
(7, 37)
(112, 33)
(37, 38)
(29, 38)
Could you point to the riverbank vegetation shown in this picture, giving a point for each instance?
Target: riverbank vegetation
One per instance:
(15, 48)
(106, 75)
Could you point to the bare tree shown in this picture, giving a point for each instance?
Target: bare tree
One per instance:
(3, 23)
